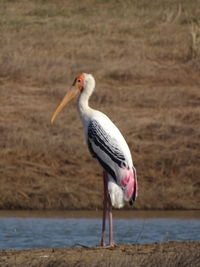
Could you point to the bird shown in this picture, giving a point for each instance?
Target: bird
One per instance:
(106, 145)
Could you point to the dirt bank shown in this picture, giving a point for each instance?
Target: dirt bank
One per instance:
(167, 254)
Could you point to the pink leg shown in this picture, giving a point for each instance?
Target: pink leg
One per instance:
(105, 204)
(111, 243)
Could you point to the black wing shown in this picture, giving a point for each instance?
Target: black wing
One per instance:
(98, 137)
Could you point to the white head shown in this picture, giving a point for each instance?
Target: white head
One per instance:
(88, 81)
(83, 84)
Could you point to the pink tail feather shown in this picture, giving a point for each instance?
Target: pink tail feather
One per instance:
(129, 184)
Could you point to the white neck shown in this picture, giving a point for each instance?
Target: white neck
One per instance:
(83, 106)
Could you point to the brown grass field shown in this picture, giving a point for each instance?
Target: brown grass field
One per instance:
(145, 56)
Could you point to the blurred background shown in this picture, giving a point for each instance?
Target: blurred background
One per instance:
(145, 57)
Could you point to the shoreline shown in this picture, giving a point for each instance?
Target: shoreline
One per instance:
(121, 213)
(156, 254)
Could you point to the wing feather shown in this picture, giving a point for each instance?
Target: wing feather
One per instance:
(102, 146)
(110, 155)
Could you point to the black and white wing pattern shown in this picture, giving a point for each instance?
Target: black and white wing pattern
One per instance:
(105, 149)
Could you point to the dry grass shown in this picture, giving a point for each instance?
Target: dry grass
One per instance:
(145, 58)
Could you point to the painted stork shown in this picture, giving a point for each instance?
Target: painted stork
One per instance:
(107, 145)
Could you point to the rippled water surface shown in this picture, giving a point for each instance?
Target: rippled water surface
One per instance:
(27, 230)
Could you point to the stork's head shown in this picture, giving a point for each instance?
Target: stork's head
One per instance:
(83, 83)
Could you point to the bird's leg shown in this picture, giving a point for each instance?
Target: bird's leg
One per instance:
(105, 205)
(111, 243)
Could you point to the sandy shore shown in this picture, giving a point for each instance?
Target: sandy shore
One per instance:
(158, 254)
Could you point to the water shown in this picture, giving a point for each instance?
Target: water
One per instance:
(28, 230)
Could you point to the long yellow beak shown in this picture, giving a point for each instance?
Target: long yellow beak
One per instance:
(67, 98)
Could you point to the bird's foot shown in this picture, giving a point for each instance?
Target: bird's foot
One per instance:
(111, 245)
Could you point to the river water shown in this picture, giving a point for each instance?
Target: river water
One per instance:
(28, 230)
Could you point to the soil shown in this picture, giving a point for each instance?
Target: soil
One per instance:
(159, 254)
